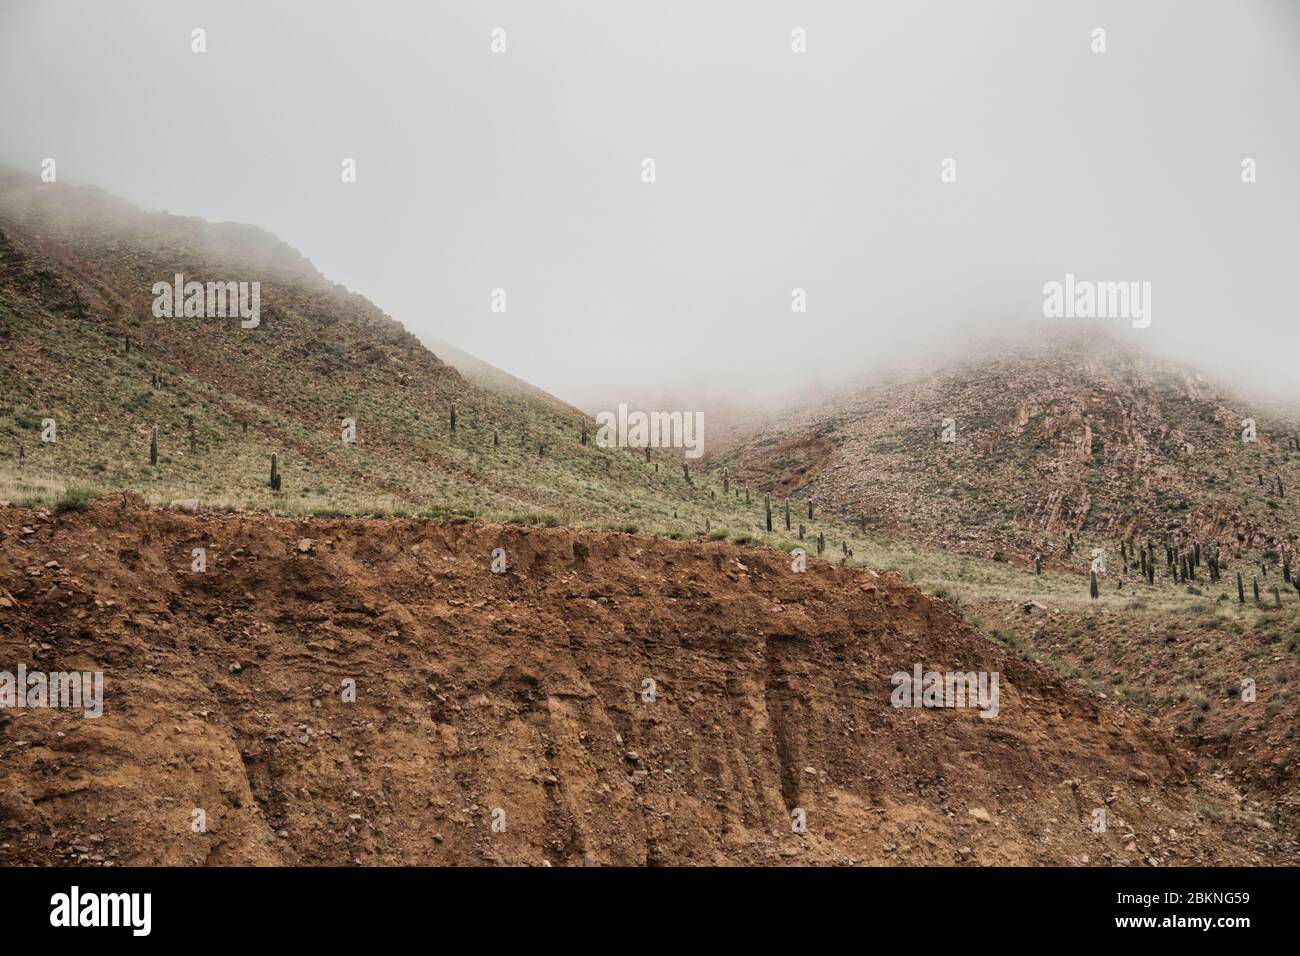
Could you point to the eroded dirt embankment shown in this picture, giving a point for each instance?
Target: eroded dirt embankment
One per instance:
(518, 699)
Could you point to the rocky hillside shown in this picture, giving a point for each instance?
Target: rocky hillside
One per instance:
(523, 700)
(1075, 437)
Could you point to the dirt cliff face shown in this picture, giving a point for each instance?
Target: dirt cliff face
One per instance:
(523, 700)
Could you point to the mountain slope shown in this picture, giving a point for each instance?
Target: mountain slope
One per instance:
(1076, 437)
(79, 344)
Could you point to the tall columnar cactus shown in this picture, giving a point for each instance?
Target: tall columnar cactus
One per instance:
(686, 472)
(1069, 543)
(1254, 585)
(1241, 590)
(583, 438)
(1092, 584)
(1281, 492)
(1142, 563)
(767, 507)
(453, 418)
(821, 541)
(810, 516)
(275, 472)
(726, 482)
(746, 496)
(787, 514)
(153, 446)
(496, 438)
(1038, 564)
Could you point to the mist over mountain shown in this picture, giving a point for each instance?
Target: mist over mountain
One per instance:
(521, 170)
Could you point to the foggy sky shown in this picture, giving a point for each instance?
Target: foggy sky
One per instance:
(775, 170)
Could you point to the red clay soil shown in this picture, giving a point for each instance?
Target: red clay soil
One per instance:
(518, 698)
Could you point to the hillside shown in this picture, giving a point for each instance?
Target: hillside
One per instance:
(79, 344)
(519, 698)
(1074, 437)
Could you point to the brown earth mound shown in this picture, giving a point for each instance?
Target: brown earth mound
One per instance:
(518, 699)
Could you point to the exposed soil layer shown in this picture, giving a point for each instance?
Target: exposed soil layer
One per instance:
(519, 699)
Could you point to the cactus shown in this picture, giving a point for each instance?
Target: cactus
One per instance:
(821, 542)
(862, 522)
(801, 531)
(746, 496)
(275, 472)
(787, 514)
(496, 439)
(22, 455)
(686, 472)
(1277, 597)
(726, 482)
(1069, 543)
(1092, 584)
(583, 438)
(810, 509)
(453, 418)
(1038, 564)
(1241, 591)
(1254, 585)
(1281, 492)
(767, 506)
(153, 446)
